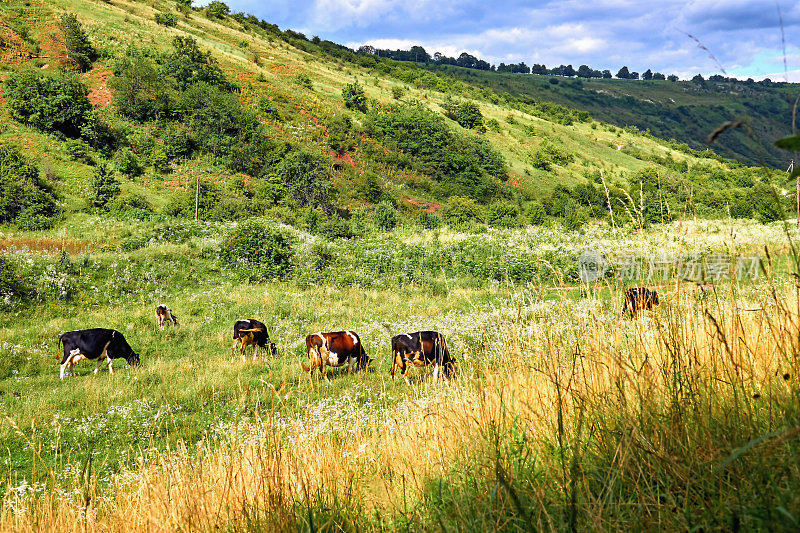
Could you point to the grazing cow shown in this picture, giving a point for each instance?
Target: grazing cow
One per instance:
(335, 349)
(639, 298)
(95, 344)
(251, 333)
(164, 314)
(420, 349)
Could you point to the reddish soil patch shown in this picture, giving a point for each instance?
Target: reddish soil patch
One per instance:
(54, 48)
(13, 51)
(280, 70)
(430, 207)
(46, 245)
(99, 91)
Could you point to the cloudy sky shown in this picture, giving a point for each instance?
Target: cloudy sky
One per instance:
(742, 37)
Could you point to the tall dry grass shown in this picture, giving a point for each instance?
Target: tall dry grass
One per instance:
(685, 417)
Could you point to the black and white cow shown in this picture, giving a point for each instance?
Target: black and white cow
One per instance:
(251, 333)
(420, 349)
(95, 344)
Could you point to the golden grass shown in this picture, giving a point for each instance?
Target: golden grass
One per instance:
(555, 374)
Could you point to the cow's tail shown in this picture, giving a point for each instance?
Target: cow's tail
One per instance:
(60, 340)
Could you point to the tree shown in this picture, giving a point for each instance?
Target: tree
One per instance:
(386, 217)
(634, 75)
(79, 48)
(623, 73)
(189, 65)
(672, 77)
(257, 252)
(354, 97)
(49, 101)
(658, 76)
(698, 80)
(217, 9)
(104, 186)
(458, 212)
(606, 74)
(141, 90)
(648, 75)
(25, 199)
(584, 71)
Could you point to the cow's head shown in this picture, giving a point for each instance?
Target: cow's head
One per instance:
(133, 359)
(655, 298)
(272, 349)
(364, 362)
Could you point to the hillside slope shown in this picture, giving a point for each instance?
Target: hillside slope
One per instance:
(296, 97)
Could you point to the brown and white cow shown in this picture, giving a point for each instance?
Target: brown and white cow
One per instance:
(335, 349)
(420, 349)
(164, 314)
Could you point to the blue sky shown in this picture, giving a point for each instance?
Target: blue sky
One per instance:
(743, 36)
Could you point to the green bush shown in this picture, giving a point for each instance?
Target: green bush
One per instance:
(386, 216)
(182, 204)
(303, 81)
(466, 114)
(257, 252)
(741, 207)
(14, 286)
(127, 164)
(25, 199)
(459, 212)
(429, 221)
(370, 190)
(354, 97)
(397, 92)
(166, 19)
(131, 206)
(104, 187)
(339, 138)
(79, 48)
(550, 154)
(188, 65)
(305, 179)
(217, 9)
(79, 151)
(766, 203)
(503, 215)
(335, 227)
(142, 91)
(536, 214)
(177, 141)
(49, 101)
(268, 109)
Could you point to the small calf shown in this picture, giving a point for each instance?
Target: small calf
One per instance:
(164, 314)
(639, 298)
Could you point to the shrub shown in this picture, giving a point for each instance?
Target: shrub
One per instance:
(127, 164)
(303, 81)
(429, 221)
(49, 101)
(182, 204)
(14, 286)
(386, 217)
(371, 190)
(178, 143)
(466, 114)
(258, 252)
(188, 65)
(78, 151)
(339, 138)
(354, 97)
(335, 227)
(460, 212)
(141, 90)
(766, 203)
(104, 187)
(397, 92)
(99, 135)
(133, 206)
(217, 9)
(549, 154)
(741, 208)
(536, 214)
(268, 109)
(166, 19)
(493, 125)
(305, 180)
(25, 199)
(79, 49)
(503, 215)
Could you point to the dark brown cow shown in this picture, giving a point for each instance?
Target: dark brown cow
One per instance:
(639, 298)
(420, 349)
(251, 333)
(335, 349)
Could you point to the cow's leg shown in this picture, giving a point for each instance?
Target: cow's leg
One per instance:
(63, 367)
(435, 371)
(397, 360)
(350, 364)
(110, 365)
(97, 368)
(233, 348)
(255, 352)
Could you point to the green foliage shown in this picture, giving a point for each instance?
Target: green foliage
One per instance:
(303, 81)
(257, 252)
(371, 190)
(467, 114)
(339, 134)
(267, 107)
(14, 285)
(386, 216)
(49, 101)
(550, 154)
(463, 164)
(130, 206)
(25, 199)
(189, 65)
(217, 9)
(182, 204)
(335, 227)
(142, 91)
(79, 48)
(79, 151)
(536, 213)
(766, 203)
(354, 97)
(741, 207)
(503, 215)
(104, 187)
(305, 179)
(166, 19)
(493, 125)
(460, 212)
(397, 92)
(127, 164)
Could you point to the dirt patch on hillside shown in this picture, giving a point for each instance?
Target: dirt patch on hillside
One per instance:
(99, 91)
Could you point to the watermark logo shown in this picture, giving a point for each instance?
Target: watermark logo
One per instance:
(592, 266)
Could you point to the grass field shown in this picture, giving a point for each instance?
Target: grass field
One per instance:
(562, 412)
